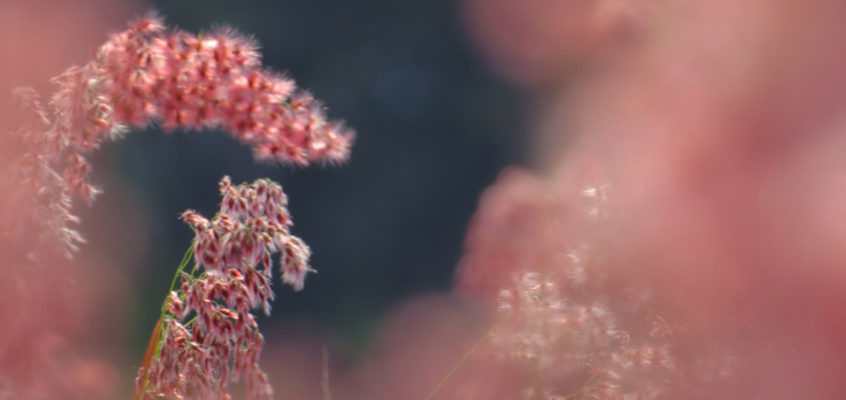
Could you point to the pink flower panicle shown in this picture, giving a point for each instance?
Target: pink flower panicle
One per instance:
(210, 336)
(148, 74)
(215, 80)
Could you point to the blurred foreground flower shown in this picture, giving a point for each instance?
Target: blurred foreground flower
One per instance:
(567, 325)
(719, 140)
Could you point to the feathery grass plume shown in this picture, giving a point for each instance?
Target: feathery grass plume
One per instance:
(148, 74)
(207, 335)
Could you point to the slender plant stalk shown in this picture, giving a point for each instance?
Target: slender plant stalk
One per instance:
(148, 356)
(588, 384)
(327, 393)
(155, 344)
(458, 365)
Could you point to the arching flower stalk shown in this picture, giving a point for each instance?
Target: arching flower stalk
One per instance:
(143, 75)
(207, 335)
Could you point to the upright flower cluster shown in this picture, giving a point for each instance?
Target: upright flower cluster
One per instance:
(146, 74)
(208, 335)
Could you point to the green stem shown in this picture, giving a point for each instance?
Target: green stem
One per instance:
(179, 271)
(156, 340)
(182, 264)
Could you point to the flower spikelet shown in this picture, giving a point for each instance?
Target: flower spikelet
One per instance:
(210, 336)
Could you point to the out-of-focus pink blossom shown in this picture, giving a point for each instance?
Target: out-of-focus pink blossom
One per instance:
(60, 319)
(568, 324)
(539, 43)
(720, 150)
